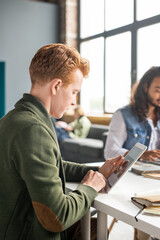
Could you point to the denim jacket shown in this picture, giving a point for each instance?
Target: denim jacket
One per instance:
(137, 130)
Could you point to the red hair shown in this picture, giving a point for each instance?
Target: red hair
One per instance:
(56, 61)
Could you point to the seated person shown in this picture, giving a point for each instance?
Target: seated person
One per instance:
(79, 128)
(138, 122)
(34, 203)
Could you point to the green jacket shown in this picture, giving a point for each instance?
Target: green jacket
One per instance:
(33, 203)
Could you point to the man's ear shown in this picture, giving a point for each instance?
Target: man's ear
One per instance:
(55, 85)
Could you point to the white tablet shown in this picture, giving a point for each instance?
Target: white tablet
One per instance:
(132, 156)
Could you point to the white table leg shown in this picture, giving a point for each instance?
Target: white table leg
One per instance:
(86, 226)
(102, 231)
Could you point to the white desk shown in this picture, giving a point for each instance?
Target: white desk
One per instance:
(117, 203)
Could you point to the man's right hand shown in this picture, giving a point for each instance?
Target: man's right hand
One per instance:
(95, 180)
(110, 165)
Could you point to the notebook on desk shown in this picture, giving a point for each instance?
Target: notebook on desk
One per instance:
(156, 162)
(143, 167)
(133, 155)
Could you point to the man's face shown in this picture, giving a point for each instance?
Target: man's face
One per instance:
(66, 95)
(154, 92)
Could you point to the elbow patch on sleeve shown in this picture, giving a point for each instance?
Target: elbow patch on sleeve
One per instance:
(47, 217)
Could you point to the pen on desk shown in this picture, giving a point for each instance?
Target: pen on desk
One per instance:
(139, 212)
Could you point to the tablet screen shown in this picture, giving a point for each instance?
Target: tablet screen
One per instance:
(132, 156)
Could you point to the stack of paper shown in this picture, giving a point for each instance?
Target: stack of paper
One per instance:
(146, 169)
(152, 210)
(154, 175)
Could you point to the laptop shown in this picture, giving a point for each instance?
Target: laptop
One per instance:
(133, 155)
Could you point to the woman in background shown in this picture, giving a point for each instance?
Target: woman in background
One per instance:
(79, 128)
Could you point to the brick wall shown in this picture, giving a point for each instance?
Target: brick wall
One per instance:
(68, 21)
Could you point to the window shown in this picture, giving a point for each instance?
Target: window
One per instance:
(121, 40)
(148, 48)
(93, 86)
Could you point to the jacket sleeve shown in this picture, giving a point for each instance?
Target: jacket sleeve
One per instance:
(37, 160)
(75, 172)
(116, 137)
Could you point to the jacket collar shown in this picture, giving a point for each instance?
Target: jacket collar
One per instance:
(34, 105)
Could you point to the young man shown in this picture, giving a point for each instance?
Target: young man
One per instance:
(138, 122)
(33, 203)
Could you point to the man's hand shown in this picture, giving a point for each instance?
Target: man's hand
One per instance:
(151, 155)
(121, 168)
(110, 165)
(95, 180)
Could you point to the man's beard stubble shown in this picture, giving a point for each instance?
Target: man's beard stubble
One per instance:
(151, 101)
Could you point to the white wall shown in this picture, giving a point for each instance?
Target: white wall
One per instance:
(25, 26)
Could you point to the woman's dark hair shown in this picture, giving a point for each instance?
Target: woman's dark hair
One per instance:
(139, 102)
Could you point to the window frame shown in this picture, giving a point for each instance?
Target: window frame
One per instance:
(133, 28)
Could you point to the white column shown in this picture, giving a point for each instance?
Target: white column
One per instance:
(102, 231)
(86, 226)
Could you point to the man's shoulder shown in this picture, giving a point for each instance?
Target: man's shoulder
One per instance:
(125, 108)
(20, 119)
